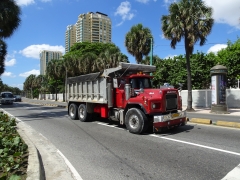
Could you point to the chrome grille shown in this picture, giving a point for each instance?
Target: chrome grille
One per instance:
(171, 102)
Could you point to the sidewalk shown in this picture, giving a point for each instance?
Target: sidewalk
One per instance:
(232, 111)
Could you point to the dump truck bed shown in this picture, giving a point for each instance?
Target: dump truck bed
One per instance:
(87, 88)
(94, 87)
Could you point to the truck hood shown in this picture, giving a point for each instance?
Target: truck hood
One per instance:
(157, 93)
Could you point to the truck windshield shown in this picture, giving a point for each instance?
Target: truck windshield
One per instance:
(141, 83)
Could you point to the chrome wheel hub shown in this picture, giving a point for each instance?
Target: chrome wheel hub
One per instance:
(133, 122)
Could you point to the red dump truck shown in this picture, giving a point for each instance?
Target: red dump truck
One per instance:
(125, 94)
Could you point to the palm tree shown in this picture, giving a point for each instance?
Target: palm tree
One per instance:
(55, 73)
(29, 84)
(155, 59)
(138, 42)
(86, 63)
(38, 82)
(3, 52)
(191, 20)
(9, 21)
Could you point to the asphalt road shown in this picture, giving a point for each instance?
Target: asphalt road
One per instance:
(99, 150)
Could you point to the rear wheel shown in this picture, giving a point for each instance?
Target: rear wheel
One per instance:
(82, 113)
(136, 121)
(72, 111)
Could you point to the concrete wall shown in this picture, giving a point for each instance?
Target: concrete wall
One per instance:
(51, 96)
(202, 98)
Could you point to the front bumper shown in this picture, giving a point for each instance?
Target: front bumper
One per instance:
(169, 120)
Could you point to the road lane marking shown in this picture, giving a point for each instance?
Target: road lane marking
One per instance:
(198, 145)
(73, 170)
(109, 125)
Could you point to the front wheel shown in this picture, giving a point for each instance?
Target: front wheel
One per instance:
(136, 121)
(72, 111)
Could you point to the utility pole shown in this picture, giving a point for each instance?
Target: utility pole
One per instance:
(66, 86)
(151, 55)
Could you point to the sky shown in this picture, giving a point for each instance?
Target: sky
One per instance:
(44, 22)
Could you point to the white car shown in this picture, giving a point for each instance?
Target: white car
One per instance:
(6, 98)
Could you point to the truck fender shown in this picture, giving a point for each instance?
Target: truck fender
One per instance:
(140, 106)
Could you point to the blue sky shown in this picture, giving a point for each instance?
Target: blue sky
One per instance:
(44, 24)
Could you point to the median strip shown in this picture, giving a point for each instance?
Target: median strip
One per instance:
(201, 121)
(228, 124)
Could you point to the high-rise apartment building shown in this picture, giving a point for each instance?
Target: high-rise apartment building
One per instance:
(70, 37)
(91, 27)
(45, 57)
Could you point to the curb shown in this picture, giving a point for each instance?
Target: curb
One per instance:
(228, 124)
(54, 105)
(201, 121)
(34, 170)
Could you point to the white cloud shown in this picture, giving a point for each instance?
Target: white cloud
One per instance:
(8, 74)
(34, 50)
(142, 1)
(227, 12)
(216, 48)
(29, 2)
(24, 2)
(162, 36)
(124, 10)
(11, 62)
(26, 74)
(20, 86)
(170, 56)
(169, 1)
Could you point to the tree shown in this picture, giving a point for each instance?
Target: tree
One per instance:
(54, 72)
(3, 52)
(229, 57)
(138, 42)
(28, 85)
(86, 57)
(191, 20)
(155, 60)
(9, 21)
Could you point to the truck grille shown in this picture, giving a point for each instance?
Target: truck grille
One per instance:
(171, 102)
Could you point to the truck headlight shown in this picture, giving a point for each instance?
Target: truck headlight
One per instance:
(167, 117)
(153, 106)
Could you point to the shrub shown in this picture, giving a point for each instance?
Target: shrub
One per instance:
(13, 150)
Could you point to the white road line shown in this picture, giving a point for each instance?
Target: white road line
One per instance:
(75, 173)
(184, 142)
(234, 174)
(198, 145)
(109, 126)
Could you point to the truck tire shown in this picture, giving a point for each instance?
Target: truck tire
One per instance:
(82, 113)
(72, 111)
(136, 121)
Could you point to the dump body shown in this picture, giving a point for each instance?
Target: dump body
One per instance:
(90, 88)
